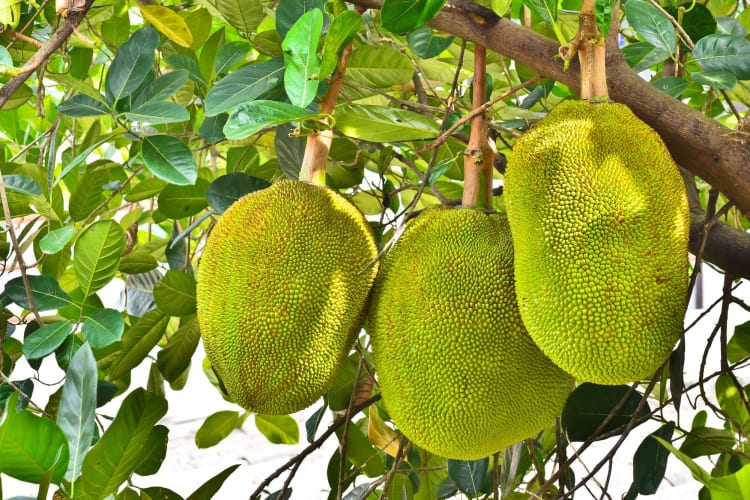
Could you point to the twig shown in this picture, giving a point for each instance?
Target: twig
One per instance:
(311, 447)
(19, 252)
(49, 47)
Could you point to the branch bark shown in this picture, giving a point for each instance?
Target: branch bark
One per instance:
(707, 149)
(46, 50)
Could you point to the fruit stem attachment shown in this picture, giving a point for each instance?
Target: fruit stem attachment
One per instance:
(589, 45)
(479, 154)
(319, 143)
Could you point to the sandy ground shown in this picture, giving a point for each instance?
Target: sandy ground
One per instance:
(186, 467)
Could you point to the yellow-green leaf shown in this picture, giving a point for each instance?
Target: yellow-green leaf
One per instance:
(169, 24)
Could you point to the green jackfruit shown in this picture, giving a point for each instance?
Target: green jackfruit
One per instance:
(458, 373)
(600, 224)
(282, 288)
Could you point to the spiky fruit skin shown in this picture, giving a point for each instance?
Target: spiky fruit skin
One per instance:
(459, 375)
(600, 224)
(282, 288)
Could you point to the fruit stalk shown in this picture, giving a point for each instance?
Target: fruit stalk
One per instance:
(479, 154)
(589, 44)
(319, 143)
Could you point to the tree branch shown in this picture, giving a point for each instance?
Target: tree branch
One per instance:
(707, 149)
(47, 49)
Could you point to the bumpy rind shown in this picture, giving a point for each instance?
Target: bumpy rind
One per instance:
(282, 287)
(600, 224)
(459, 375)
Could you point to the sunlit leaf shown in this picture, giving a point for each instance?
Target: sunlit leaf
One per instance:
(169, 159)
(302, 74)
(216, 427)
(32, 448)
(103, 328)
(168, 22)
(46, 339)
(55, 240)
(244, 85)
(278, 429)
(255, 116)
(383, 124)
(96, 255)
(121, 448)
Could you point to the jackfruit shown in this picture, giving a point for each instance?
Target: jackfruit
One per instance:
(282, 288)
(458, 373)
(600, 225)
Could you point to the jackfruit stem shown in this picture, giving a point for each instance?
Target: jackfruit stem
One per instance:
(589, 45)
(479, 154)
(319, 143)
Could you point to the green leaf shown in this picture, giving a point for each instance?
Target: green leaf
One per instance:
(168, 22)
(175, 293)
(210, 487)
(724, 53)
(730, 401)
(425, 44)
(103, 328)
(402, 16)
(161, 89)
(169, 159)
(643, 55)
(159, 112)
(81, 105)
(229, 188)
(212, 128)
(468, 475)
(732, 487)
(383, 124)
(438, 170)
(174, 359)
(216, 427)
(650, 461)
(278, 429)
(230, 54)
(546, 10)
(81, 158)
(379, 67)
(697, 20)
(723, 80)
(32, 449)
(96, 255)
(121, 448)
(145, 189)
(342, 31)
(244, 85)
(671, 85)
(738, 346)
(590, 404)
(255, 116)
(76, 412)
(244, 15)
(302, 74)
(88, 194)
(183, 62)
(651, 24)
(138, 341)
(19, 183)
(177, 202)
(45, 291)
(701, 441)
(46, 339)
(55, 240)
(132, 64)
(156, 451)
(138, 262)
(289, 11)
(696, 470)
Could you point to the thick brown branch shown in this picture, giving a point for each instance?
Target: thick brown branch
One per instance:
(699, 143)
(49, 47)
